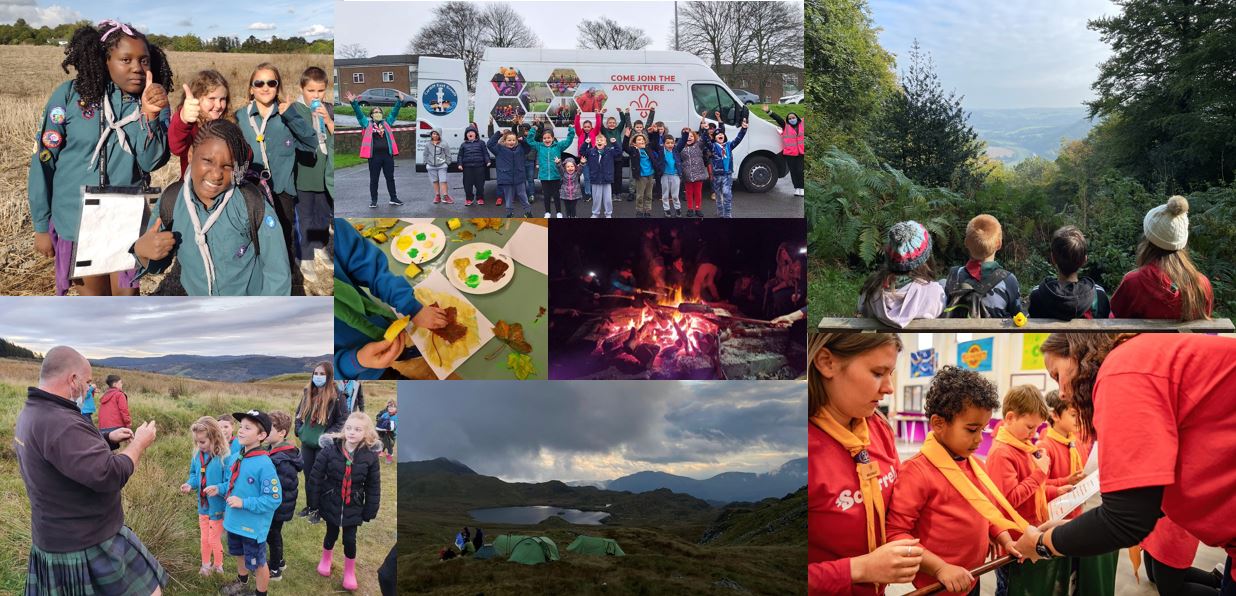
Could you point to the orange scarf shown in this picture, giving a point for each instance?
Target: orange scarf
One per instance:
(856, 443)
(943, 461)
(1075, 461)
(1040, 495)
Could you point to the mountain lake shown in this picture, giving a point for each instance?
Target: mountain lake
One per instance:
(535, 514)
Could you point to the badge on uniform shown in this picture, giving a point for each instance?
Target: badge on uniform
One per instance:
(57, 115)
(287, 142)
(269, 221)
(88, 113)
(261, 138)
(250, 479)
(52, 139)
(45, 156)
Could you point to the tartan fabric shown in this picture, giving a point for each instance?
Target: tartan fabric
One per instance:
(118, 566)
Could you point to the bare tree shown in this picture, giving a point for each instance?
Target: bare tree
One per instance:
(776, 31)
(462, 31)
(607, 34)
(505, 28)
(351, 50)
(707, 30)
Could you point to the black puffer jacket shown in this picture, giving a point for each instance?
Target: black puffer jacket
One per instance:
(288, 465)
(328, 471)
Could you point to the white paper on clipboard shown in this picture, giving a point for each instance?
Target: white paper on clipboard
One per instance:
(1066, 503)
(1092, 460)
(530, 245)
(111, 222)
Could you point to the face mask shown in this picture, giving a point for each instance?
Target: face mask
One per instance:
(319, 380)
(793, 120)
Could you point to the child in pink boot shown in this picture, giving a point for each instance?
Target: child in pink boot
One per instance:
(347, 491)
(388, 419)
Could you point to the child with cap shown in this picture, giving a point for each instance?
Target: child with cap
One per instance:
(904, 288)
(981, 288)
(1166, 283)
(1068, 296)
(253, 495)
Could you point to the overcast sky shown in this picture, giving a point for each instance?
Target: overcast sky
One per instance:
(311, 19)
(157, 326)
(1019, 54)
(588, 430)
(386, 27)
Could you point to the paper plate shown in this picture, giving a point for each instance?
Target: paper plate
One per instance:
(418, 243)
(461, 268)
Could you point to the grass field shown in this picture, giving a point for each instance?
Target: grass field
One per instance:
(31, 73)
(165, 520)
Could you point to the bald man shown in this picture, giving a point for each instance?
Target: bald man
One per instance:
(74, 479)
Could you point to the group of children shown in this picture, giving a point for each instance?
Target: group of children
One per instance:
(1165, 285)
(247, 487)
(112, 126)
(961, 507)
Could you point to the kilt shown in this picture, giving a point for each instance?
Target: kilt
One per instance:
(118, 566)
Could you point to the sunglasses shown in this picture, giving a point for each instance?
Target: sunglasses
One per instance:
(259, 84)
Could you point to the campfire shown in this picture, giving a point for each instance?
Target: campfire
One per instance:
(659, 338)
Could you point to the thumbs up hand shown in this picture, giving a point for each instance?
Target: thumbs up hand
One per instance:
(154, 244)
(154, 97)
(192, 109)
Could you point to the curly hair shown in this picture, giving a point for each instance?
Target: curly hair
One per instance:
(87, 54)
(206, 81)
(954, 388)
(228, 132)
(1089, 350)
(214, 435)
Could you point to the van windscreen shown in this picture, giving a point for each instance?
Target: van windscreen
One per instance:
(710, 98)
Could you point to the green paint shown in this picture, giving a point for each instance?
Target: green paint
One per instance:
(473, 281)
(484, 254)
(420, 236)
(414, 252)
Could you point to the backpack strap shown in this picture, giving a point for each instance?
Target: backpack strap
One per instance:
(167, 203)
(255, 203)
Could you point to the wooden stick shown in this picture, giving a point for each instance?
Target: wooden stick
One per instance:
(976, 572)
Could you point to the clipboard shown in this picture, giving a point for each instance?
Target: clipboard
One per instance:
(112, 219)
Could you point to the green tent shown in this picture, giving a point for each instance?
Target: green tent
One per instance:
(505, 543)
(593, 545)
(534, 550)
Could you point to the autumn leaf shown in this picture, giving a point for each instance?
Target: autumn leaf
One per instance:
(512, 334)
(521, 364)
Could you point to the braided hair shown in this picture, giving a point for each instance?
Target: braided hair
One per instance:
(228, 132)
(87, 54)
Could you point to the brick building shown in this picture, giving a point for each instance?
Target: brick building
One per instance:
(391, 71)
(785, 79)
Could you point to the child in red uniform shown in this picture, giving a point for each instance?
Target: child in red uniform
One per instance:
(853, 466)
(1062, 442)
(1020, 469)
(935, 488)
(1170, 550)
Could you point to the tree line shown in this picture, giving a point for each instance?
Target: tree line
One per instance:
(21, 33)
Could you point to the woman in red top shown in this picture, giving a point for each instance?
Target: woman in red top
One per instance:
(1166, 284)
(1161, 408)
(206, 99)
(852, 468)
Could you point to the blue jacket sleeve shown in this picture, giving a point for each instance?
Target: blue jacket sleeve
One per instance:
(492, 144)
(39, 182)
(360, 115)
(394, 114)
(742, 133)
(194, 481)
(366, 264)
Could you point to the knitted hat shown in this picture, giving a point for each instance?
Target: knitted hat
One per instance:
(909, 246)
(1167, 226)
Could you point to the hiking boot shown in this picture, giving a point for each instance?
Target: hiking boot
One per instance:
(237, 588)
(396, 202)
(276, 574)
(314, 518)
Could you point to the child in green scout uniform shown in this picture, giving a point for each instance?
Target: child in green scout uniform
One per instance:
(275, 132)
(315, 172)
(107, 115)
(225, 234)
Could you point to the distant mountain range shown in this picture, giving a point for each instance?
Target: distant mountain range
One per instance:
(723, 488)
(1018, 133)
(236, 369)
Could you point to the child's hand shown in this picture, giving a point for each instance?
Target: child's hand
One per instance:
(766, 108)
(430, 317)
(323, 113)
(43, 244)
(744, 123)
(192, 108)
(955, 578)
(894, 563)
(185, 488)
(1075, 477)
(154, 245)
(154, 97)
(718, 115)
(235, 502)
(557, 160)
(380, 354)
(1064, 488)
(1008, 544)
(211, 491)
(1043, 462)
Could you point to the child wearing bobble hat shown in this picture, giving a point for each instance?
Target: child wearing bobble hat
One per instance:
(904, 288)
(1166, 283)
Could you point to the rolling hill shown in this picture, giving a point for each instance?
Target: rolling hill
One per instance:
(216, 368)
(1016, 134)
(724, 487)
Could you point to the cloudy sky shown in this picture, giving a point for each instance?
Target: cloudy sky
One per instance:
(538, 431)
(387, 27)
(150, 326)
(311, 19)
(1020, 54)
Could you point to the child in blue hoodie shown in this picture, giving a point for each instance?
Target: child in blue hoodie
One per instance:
(510, 155)
(208, 483)
(723, 169)
(361, 350)
(253, 494)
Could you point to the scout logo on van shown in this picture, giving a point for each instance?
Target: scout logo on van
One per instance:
(643, 105)
(439, 99)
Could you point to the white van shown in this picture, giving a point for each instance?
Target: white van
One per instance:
(561, 83)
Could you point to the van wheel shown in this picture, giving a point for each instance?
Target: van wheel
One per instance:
(759, 174)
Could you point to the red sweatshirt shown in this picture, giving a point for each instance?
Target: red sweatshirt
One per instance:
(927, 507)
(1058, 471)
(1147, 293)
(114, 409)
(179, 139)
(1018, 478)
(582, 138)
(836, 518)
(1171, 544)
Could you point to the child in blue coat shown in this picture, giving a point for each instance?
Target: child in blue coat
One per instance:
(208, 482)
(723, 169)
(602, 164)
(510, 154)
(253, 494)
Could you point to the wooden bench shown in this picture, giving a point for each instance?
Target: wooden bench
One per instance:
(853, 324)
